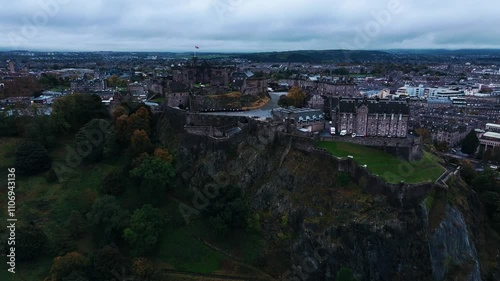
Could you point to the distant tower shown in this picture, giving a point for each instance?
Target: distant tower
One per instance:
(12, 68)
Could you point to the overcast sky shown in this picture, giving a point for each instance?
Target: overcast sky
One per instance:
(248, 25)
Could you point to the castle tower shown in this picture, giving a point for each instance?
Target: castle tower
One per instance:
(12, 68)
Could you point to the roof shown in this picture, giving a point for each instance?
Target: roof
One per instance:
(493, 125)
(492, 135)
(388, 107)
(380, 106)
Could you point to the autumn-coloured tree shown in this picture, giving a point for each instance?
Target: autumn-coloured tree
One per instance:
(296, 97)
(119, 111)
(64, 266)
(142, 113)
(144, 269)
(21, 87)
(442, 146)
(140, 120)
(121, 130)
(425, 134)
(140, 142)
(164, 154)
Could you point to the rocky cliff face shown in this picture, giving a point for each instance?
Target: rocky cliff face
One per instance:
(451, 250)
(322, 221)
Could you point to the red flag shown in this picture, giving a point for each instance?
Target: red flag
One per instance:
(196, 47)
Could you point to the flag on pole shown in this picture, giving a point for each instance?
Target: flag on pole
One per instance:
(196, 47)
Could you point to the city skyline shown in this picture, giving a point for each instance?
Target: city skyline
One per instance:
(247, 26)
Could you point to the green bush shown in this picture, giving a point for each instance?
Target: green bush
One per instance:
(30, 242)
(112, 184)
(32, 158)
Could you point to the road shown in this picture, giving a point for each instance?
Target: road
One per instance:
(262, 112)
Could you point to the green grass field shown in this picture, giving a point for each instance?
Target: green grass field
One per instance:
(390, 168)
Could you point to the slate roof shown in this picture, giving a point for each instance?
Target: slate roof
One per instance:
(382, 106)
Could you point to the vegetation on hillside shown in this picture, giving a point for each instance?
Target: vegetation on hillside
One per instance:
(94, 194)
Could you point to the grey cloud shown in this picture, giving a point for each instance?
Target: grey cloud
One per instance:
(249, 25)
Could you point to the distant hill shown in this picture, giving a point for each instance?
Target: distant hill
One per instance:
(467, 52)
(318, 56)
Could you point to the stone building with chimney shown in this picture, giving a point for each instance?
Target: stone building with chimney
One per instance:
(369, 117)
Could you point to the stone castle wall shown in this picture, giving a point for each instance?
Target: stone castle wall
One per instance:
(407, 148)
(402, 195)
(201, 129)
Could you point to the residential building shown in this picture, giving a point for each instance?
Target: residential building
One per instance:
(303, 119)
(369, 117)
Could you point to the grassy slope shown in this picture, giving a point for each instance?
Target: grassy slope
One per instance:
(390, 168)
(49, 204)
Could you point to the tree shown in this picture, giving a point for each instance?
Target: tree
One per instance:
(8, 125)
(296, 97)
(495, 154)
(75, 224)
(487, 155)
(32, 158)
(144, 269)
(340, 71)
(108, 260)
(140, 120)
(470, 143)
(283, 101)
(107, 216)
(40, 128)
(140, 142)
(442, 146)
(78, 109)
(72, 263)
(91, 139)
(467, 171)
(111, 146)
(486, 181)
(155, 175)
(50, 81)
(228, 211)
(20, 87)
(113, 184)
(345, 274)
(119, 111)
(163, 154)
(30, 242)
(425, 134)
(144, 229)
(115, 81)
(121, 130)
